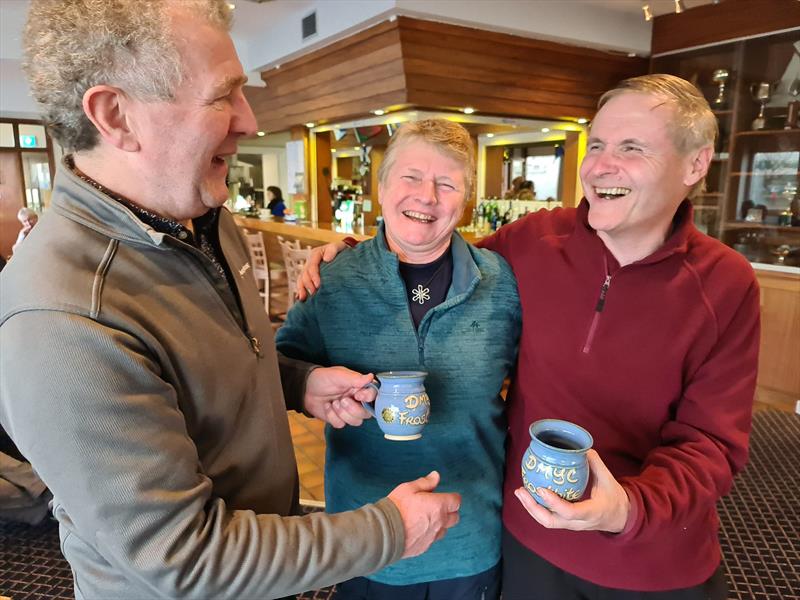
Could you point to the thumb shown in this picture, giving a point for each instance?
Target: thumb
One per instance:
(427, 483)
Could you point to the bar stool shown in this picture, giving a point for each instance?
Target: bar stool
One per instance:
(294, 257)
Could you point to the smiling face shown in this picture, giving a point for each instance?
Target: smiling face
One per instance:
(184, 142)
(633, 175)
(422, 197)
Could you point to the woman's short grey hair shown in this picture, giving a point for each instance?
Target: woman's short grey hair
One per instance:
(446, 136)
(73, 45)
(694, 125)
(26, 213)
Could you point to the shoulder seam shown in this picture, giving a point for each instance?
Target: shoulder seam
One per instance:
(99, 277)
(703, 296)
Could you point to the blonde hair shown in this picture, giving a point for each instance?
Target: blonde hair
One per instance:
(73, 45)
(694, 125)
(449, 138)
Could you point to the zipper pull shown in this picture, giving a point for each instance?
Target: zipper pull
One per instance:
(601, 301)
(255, 345)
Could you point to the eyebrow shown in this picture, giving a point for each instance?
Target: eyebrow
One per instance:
(229, 83)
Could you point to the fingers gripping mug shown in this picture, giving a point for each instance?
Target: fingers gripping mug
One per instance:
(556, 459)
(402, 406)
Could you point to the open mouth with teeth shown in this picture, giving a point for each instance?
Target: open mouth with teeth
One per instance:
(612, 192)
(419, 217)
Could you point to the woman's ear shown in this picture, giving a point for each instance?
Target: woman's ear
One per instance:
(107, 107)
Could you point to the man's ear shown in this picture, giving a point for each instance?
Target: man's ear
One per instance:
(107, 108)
(700, 161)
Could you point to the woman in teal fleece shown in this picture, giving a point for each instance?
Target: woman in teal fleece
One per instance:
(418, 297)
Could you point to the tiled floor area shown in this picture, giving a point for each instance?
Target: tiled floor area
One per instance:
(309, 450)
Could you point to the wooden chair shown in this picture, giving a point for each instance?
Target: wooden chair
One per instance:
(294, 258)
(260, 265)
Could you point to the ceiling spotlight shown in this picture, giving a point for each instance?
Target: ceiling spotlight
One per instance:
(261, 133)
(231, 5)
(679, 7)
(309, 124)
(356, 147)
(583, 120)
(468, 110)
(379, 112)
(545, 130)
(489, 135)
(333, 149)
(648, 15)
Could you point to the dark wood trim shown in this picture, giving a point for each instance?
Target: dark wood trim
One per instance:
(716, 23)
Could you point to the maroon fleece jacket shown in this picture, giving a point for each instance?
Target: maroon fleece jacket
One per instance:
(662, 375)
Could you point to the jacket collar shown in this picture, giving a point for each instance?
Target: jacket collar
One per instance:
(584, 237)
(465, 272)
(78, 200)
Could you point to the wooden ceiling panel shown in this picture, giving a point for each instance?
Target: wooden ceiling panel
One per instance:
(438, 66)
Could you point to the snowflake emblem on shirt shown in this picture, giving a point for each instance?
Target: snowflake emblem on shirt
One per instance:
(420, 294)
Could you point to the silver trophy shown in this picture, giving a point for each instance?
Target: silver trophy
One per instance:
(761, 92)
(720, 77)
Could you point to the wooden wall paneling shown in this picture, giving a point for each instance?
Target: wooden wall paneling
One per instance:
(714, 23)
(452, 100)
(497, 73)
(570, 192)
(493, 176)
(344, 167)
(322, 190)
(779, 360)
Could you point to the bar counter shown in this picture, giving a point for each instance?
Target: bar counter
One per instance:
(317, 234)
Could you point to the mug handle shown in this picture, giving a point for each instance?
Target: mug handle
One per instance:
(368, 405)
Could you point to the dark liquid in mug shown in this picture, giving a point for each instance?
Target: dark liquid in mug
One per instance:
(557, 441)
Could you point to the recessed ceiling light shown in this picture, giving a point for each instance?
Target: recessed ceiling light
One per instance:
(489, 135)
(468, 110)
(231, 5)
(379, 112)
(582, 120)
(309, 124)
(631, 54)
(333, 149)
(277, 66)
(356, 147)
(545, 130)
(261, 133)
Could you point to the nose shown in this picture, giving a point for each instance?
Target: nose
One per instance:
(602, 162)
(244, 121)
(427, 192)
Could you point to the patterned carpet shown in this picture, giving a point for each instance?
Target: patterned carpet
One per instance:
(760, 532)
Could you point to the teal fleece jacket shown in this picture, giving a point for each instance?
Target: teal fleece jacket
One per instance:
(360, 318)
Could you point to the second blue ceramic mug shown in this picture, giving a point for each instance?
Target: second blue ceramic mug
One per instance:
(402, 406)
(556, 459)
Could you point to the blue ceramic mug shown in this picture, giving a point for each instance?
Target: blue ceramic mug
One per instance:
(402, 406)
(556, 459)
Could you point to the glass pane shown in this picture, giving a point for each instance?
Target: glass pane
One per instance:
(32, 136)
(6, 135)
(36, 169)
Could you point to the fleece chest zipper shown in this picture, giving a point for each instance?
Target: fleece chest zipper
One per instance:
(598, 309)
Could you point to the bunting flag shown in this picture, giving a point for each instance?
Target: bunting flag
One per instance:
(339, 134)
(364, 133)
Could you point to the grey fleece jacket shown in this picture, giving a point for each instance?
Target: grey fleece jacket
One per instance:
(155, 414)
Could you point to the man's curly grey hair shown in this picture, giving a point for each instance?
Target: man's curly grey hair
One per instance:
(73, 45)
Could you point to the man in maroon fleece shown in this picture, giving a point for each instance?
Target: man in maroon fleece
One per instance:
(645, 332)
